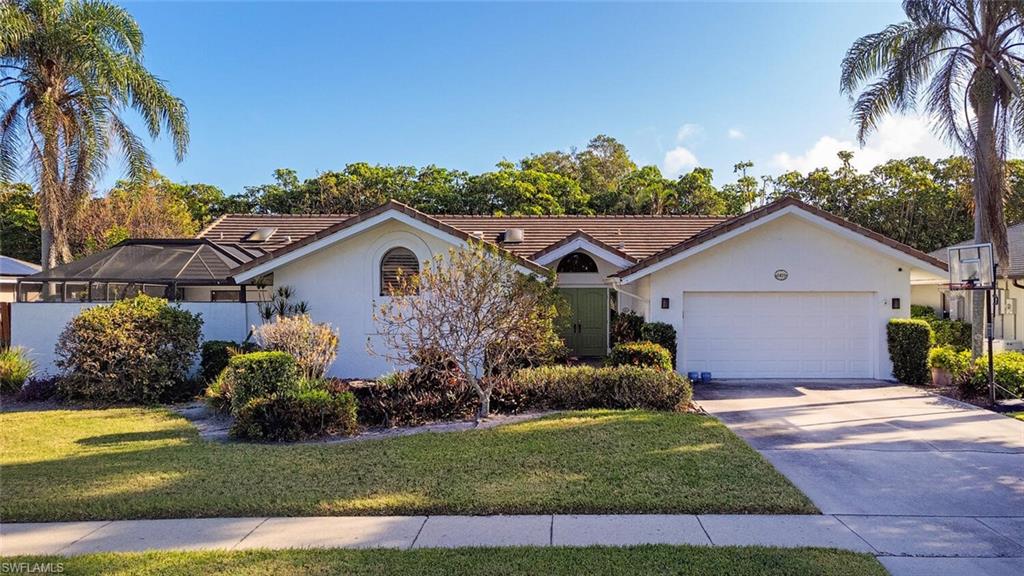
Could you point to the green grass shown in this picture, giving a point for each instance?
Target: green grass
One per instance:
(648, 560)
(150, 463)
(1016, 415)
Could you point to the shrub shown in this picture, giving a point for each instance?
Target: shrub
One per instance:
(662, 334)
(254, 375)
(15, 368)
(954, 333)
(640, 354)
(314, 346)
(296, 415)
(625, 327)
(132, 351)
(414, 397)
(213, 358)
(946, 358)
(1007, 369)
(584, 387)
(921, 311)
(909, 342)
(38, 389)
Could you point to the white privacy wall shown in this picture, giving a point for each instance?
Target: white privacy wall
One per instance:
(817, 260)
(36, 326)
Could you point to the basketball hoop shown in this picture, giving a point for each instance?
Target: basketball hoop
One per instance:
(971, 267)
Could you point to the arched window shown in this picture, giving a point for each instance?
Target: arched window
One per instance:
(395, 260)
(577, 262)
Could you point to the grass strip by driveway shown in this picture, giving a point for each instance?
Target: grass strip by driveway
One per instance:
(130, 463)
(647, 560)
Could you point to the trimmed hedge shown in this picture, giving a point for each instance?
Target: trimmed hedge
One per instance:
(640, 354)
(136, 350)
(953, 333)
(585, 387)
(296, 415)
(214, 356)
(663, 334)
(255, 375)
(1007, 368)
(412, 398)
(910, 339)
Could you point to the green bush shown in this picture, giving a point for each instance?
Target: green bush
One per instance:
(957, 363)
(15, 369)
(133, 351)
(314, 346)
(640, 354)
(584, 387)
(662, 334)
(625, 327)
(213, 358)
(954, 333)
(921, 311)
(254, 375)
(296, 415)
(910, 339)
(1007, 368)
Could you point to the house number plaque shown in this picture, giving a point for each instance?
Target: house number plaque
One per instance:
(781, 275)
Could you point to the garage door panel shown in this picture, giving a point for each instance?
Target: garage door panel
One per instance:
(778, 334)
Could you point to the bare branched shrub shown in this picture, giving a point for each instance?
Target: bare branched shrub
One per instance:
(314, 346)
(476, 307)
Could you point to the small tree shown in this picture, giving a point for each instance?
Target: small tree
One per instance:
(473, 306)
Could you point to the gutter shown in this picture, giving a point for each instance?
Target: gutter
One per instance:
(616, 284)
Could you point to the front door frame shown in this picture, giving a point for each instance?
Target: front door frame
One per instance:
(606, 306)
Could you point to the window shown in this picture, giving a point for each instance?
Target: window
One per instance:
(577, 262)
(395, 261)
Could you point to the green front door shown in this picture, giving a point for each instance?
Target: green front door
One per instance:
(586, 333)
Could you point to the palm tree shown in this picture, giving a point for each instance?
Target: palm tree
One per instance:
(963, 60)
(68, 69)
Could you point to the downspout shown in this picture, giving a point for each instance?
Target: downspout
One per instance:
(616, 285)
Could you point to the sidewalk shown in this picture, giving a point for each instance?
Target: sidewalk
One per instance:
(905, 544)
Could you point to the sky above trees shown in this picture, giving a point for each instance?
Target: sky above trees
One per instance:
(317, 86)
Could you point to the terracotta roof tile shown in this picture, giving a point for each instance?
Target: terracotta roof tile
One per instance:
(637, 236)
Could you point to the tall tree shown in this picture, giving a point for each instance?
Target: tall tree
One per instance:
(964, 60)
(68, 69)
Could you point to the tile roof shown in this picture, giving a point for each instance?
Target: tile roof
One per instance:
(1015, 238)
(636, 236)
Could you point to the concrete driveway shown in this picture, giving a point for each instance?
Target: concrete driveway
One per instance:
(933, 486)
(858, 447)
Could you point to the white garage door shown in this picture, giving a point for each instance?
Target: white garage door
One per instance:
(778, 334)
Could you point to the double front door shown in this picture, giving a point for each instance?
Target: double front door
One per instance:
(586, 332)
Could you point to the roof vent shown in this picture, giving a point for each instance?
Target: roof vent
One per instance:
(514, 236)
(260, 234)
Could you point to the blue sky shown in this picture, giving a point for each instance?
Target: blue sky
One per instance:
(316, 86)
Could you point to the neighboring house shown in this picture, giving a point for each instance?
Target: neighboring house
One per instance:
(11, 270)
(1007, 324)
(783, 291)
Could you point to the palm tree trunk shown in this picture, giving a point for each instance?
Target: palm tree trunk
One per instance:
(989, 225)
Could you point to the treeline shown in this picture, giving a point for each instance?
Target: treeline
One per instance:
(921, 202)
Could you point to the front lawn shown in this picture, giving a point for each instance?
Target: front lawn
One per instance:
(674, 560)
(150, 463)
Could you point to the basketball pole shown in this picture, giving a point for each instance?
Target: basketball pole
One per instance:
(989, 295)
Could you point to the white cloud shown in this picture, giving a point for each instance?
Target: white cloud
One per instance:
(896, 137)
(677, 160)
(688, 131)
(736, 134)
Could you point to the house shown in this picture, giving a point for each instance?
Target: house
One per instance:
(783, 291)
(11, 270)
(1007, 324)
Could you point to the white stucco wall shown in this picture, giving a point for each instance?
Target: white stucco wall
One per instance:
(816, 259)
(341, 281)
(36, 326)
(927, 295)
